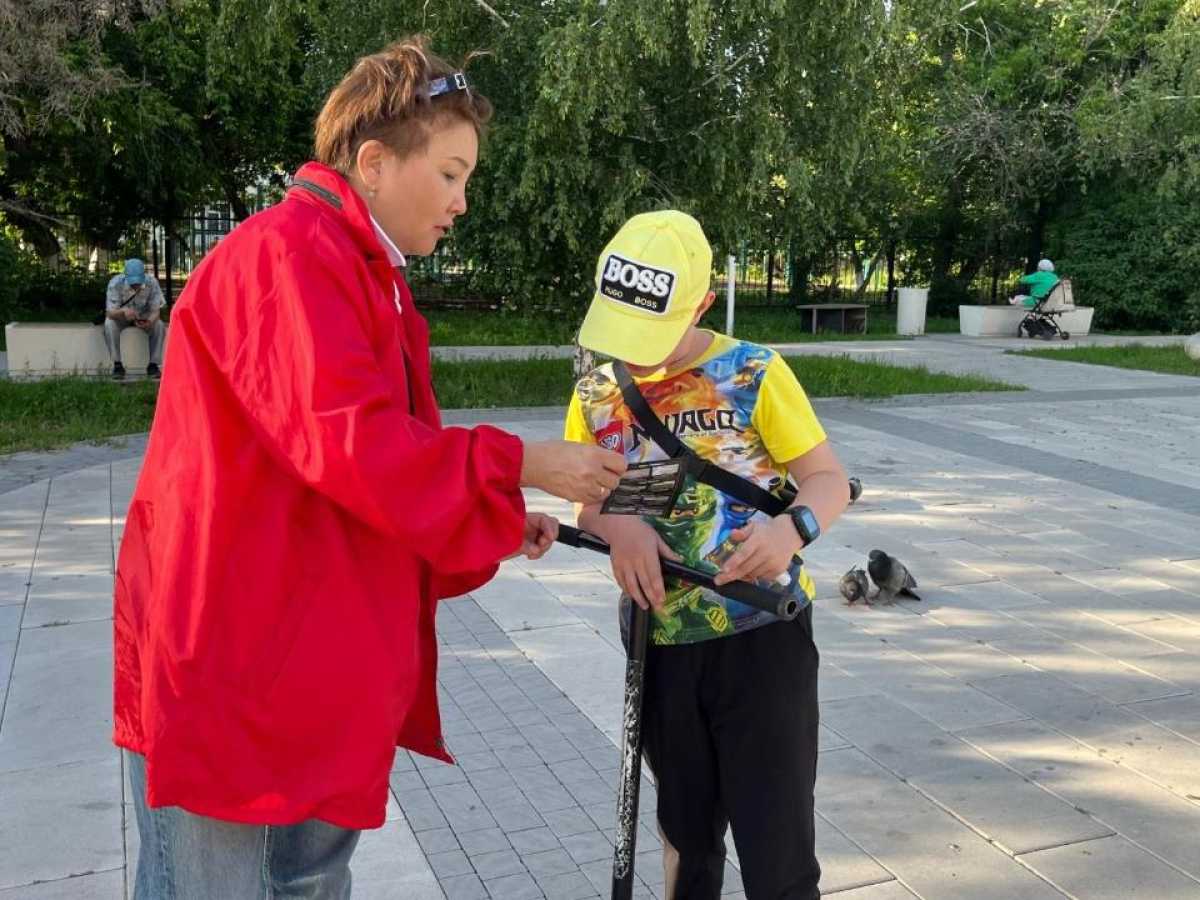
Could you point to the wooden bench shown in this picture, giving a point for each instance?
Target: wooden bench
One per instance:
(845, 316)
(64, 348)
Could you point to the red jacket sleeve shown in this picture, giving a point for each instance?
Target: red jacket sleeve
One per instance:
(297, 355)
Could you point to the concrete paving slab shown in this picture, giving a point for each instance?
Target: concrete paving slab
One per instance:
(1036, 606)
(1111, 867)
(1121, 798)
(932, 852)
(108, 885)
(60, 821)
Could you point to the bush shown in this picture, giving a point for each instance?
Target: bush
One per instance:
(1131, 252)
(947, 294)
(30, 292)
(16, 273)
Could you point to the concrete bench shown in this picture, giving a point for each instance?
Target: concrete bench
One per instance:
(1002, 321)
(64, 348)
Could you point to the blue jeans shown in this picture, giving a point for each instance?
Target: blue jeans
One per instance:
(189, 857)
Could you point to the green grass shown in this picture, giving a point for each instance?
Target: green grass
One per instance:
(1170, 360)
(839, 376)
(548, 382)
(42, 415)
(491, 383)
(485, 327)
(493, 328)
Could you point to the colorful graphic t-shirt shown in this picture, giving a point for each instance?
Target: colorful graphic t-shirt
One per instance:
(739, 406)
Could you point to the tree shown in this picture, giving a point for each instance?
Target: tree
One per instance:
(49, 54)
(996, 120)
(204, 100)
(1132, 242)
(733, 111)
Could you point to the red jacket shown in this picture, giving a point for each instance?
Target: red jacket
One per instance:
(299, 512)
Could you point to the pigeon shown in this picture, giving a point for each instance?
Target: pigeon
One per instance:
(891, 577)
(854, 586)
(855, 488)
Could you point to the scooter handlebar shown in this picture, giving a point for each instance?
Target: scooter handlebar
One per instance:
(783, 606)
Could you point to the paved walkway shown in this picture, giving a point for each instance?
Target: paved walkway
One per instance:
(1032, 729)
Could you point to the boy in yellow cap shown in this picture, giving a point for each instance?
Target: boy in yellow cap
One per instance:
(730, 717)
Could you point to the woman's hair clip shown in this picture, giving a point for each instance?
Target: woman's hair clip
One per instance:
(447, 85)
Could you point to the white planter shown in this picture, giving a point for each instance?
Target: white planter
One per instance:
(1077, 321)
(1192, 347)
(910, 310)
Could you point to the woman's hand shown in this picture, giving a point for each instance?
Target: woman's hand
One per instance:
(766, 551)
(582, 473)
(636, 549)
(541, 531)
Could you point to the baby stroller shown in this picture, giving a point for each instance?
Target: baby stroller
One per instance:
(1042, 320)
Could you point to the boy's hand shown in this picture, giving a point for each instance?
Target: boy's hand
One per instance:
(636, 548)
(766, 551)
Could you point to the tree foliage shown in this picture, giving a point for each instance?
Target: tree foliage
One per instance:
(969, 137)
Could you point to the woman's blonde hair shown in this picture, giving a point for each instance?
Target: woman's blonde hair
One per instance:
(385, 97)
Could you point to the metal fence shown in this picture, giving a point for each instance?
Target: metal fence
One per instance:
(776, 278)
(846, 270)
(171, 250)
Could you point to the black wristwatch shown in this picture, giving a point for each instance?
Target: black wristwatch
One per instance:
(806, 523)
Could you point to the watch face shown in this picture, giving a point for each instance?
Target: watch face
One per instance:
(810, 523)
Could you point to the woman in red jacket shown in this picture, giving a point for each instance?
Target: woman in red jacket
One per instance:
(301, 509)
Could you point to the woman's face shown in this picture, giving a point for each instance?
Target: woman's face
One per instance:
(416, 200)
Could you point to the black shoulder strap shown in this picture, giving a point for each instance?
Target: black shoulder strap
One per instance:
(701, 469)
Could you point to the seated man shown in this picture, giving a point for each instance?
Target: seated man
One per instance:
(134, 298)
(1040, 284)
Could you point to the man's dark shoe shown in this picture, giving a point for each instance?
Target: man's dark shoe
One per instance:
(152, 371)
(118, 371)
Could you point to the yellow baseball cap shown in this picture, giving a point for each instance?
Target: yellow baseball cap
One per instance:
(649, 282)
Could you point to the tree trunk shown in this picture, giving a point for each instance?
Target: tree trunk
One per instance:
(1037, 236)
(770, 274)
(891, 284)
(236, 199)
(943, 250)
(36, 232)
(582, 359)
(866, 279)
(856, 257)
(801, 266)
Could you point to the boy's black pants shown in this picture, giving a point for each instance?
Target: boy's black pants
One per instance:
(730, 730)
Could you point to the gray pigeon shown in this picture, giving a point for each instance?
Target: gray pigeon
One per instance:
(855, 489)
(854, 586)
(891, 577)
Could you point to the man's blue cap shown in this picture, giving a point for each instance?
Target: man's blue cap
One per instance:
(135, 271)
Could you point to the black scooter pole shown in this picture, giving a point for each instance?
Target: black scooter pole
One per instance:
(635, 673)
(631, 757)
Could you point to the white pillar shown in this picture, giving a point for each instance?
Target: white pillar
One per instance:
(730, 278)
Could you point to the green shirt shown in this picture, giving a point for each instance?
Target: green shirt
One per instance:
(1040, 284)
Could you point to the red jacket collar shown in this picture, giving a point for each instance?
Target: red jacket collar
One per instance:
(326, 188)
